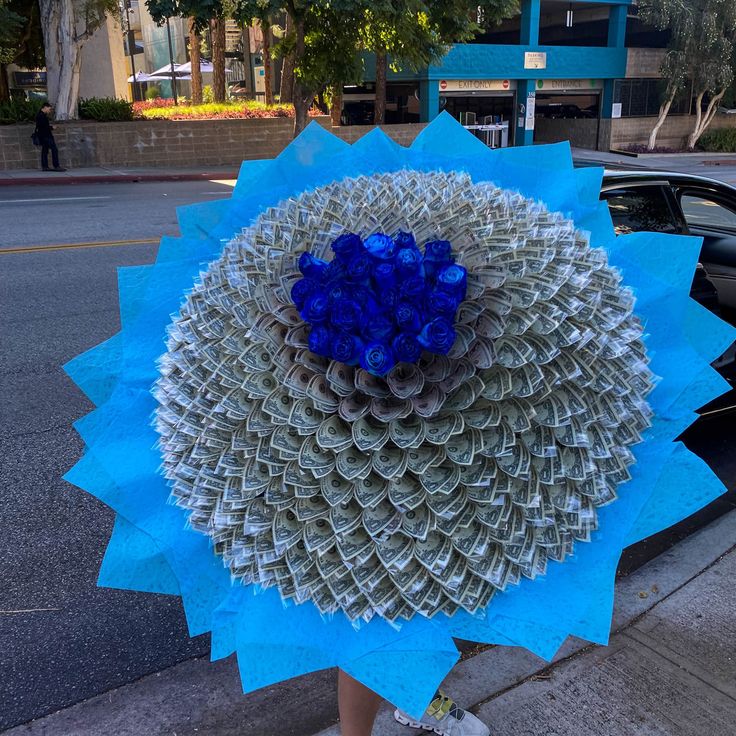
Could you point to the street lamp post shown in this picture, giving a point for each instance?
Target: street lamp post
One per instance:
(131, 48)
(171, 61)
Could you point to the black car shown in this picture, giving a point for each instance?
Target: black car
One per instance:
(685, 204)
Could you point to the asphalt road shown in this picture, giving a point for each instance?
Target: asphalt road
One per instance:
(62, 639)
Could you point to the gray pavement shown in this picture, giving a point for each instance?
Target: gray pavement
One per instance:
(669, 670)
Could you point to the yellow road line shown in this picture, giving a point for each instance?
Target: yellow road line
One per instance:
(69, 246)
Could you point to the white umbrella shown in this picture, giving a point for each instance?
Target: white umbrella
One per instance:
(141, 77)
(165, 73)
(205, 67)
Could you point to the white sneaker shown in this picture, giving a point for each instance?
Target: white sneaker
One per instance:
(446, 718)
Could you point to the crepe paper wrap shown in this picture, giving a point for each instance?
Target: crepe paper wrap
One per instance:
(229, 294)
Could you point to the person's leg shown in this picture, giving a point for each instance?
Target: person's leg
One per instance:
(44, 154)
(358, 706)
(54, 153)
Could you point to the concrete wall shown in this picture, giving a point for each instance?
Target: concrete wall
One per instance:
(104, 70)
(164, 143)
(642, 63)
(673, 134)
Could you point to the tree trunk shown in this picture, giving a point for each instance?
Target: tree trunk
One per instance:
(303, 97)
(267, 65)
(703, 121)
(379, 109)
(663, 111)
(62, 47)
(194, 58)
(336, 105)
(217, 26)
(4, 87)
(286, 92)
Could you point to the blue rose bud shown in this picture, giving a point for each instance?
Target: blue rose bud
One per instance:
(408, 261)
(346, 348)
(453, 279)
(380, 246)
(301, 290)
(316, 308)
(441, 304)
(348, 246)
(319, 340)
(377, 358)
(404, 240)
(437, 336)
(313, 268)
(384, 275)
(377, 328)
(408, 318)
(359, 269)
(345, 314)
(406, 348)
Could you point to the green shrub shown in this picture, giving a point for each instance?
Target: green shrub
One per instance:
(153, 92)
(19, 110)
(105, 109)
(719, 141)
(208, 95)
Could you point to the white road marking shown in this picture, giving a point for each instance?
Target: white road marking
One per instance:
(48, 199)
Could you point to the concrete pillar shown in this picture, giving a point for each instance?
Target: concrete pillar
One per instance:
(429, 100)
(530, 22)
(617, 26)
(524, 89)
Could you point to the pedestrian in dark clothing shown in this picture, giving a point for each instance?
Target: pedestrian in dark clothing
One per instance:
(46, 139)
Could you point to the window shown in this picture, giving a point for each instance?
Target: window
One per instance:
(640, 208)
(703, 211)
(642, 97)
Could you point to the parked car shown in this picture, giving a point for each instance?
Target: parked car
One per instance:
(686, 204)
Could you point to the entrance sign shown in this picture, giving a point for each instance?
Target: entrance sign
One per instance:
(569, 85)
(535, 60)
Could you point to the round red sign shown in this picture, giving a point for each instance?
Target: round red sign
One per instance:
(505, 83)
(443, 84)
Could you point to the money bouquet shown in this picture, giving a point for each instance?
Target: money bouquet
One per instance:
(398, 396)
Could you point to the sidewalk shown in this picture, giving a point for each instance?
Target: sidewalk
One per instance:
(670, 670)
(99, 174)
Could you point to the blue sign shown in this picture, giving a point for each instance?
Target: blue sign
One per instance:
(30, 79)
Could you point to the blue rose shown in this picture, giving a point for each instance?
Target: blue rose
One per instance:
(301, 290)
(384, 275)
(313, 268)
(316, 308)
(389, 298)
(406, 348)
(437, 336)
(453, 279)
(345, 314)
(345, 348)
(441, 304)
(377, 358)
(319, 340)
(408, 261)
(439, 251)
(404, 240)
(348, 245)
(377, 328)
(413, 289)
(380, 246)
(359, 269)
(408, 318)
(335, 271)
(338, 291)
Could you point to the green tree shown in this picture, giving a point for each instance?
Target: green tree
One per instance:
(700, 51)
(66, 27)
(416, 33)
(21, 41)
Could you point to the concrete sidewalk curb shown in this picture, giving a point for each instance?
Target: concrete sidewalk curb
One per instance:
(199, 697)
(63, 178)
(483, 677)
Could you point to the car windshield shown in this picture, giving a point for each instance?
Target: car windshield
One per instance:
(703, 211)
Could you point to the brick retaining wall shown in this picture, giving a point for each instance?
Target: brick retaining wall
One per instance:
(170, 143)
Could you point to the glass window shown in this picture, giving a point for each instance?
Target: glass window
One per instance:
(642, 97)
(640, 208)
(701, 211)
